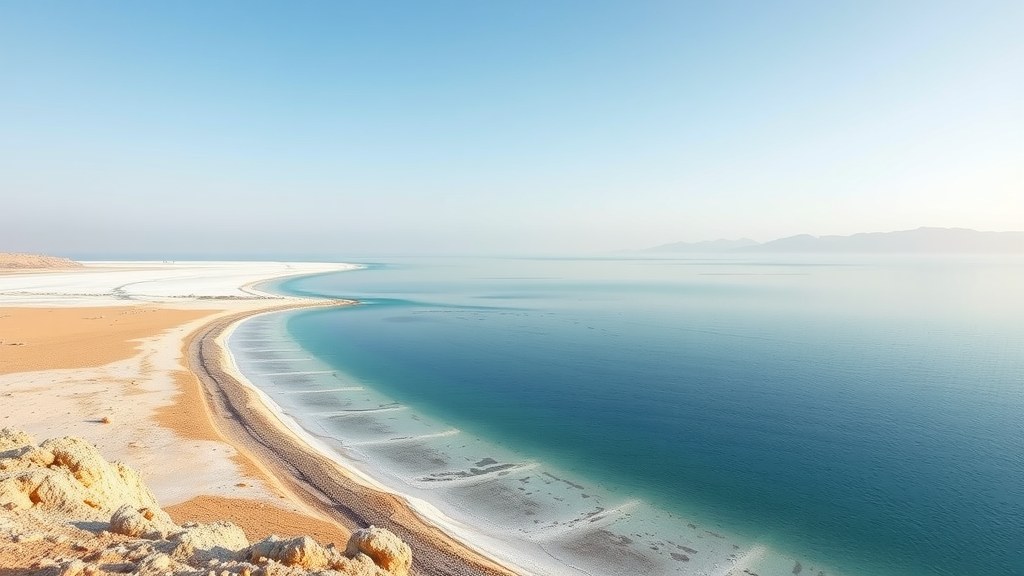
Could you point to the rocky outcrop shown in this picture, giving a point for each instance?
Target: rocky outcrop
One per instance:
(13, 440)
(384, 548)
(303, 552)
(47, 490)
(66, 476)
(150, 523)
(15, 261)
(200, 543)
(306, 553)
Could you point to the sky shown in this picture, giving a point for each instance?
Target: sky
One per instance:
(440, 127)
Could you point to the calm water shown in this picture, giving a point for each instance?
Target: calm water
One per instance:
(862, 412)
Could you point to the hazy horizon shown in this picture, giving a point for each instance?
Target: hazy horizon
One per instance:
(327, 254)
(460, 127)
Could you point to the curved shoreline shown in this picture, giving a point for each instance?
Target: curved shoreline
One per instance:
(239, 413)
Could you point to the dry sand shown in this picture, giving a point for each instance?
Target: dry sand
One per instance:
(58, 379)
(56, 338)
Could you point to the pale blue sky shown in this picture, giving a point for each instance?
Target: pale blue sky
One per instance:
(479, 126)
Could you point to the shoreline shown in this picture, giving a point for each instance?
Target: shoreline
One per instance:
(555, 549)
(217, 417)
(519, 557)
(259, 467)
(310, 476)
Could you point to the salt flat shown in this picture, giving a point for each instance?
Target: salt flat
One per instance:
(103, 283)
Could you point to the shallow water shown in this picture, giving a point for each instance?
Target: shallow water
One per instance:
(856, 415)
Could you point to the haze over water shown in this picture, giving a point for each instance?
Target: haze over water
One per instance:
(860, 412)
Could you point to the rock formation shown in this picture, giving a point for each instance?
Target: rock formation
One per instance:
(10, 260)
(383, 547)
(66, 511)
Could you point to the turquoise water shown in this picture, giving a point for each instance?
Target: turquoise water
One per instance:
(858, 414)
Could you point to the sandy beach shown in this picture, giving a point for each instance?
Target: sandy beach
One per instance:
(127, 356)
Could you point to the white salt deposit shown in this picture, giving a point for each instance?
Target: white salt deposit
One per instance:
(119, 283)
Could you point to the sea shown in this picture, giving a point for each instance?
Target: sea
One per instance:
(745, 414)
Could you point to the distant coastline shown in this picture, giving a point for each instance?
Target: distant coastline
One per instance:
(919, 241)
(18, 262)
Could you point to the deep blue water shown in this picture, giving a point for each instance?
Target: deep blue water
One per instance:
(867, 410)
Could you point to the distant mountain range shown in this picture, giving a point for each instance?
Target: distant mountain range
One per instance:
(920, 241)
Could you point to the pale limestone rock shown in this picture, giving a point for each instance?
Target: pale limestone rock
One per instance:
(157, 564)
(387, 550)
(134, 485)
(81, 458)
(149, 523)
(59, 491)
(200, 543)
(108, 485)
(11, 438)
(24, 458)
(302, 551)
(67, 479)
(296, 556)
(16, 489)
(66, 476)
(361, 565)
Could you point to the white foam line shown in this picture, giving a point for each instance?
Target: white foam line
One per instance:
(599, 520)
(474, 480)
(344, 389)
(452, 432)
(295, 373)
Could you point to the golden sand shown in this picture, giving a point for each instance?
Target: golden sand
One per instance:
(54, 338)
(35, 339)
